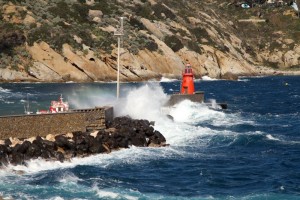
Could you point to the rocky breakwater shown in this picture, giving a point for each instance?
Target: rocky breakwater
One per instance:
(122, 132)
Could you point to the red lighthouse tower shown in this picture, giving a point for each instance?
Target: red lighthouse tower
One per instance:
(187, 91)
(187, 84)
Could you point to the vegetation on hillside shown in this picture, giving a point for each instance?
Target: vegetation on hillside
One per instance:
(59, 21)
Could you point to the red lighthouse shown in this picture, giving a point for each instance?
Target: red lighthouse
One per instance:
(187, 84)
(187, 91)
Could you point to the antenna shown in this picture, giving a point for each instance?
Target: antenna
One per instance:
(119, 33)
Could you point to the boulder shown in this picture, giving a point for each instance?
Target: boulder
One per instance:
(156, 139)
(22, 148)
(63, 142)
(17, 158)
(33, 151)
(95, 13)
(29, 20)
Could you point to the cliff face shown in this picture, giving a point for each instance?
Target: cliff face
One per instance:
(73, 40)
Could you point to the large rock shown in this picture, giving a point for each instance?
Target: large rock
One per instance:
(94, 68)
(43, 73)
(291, 58)
(95, 15)
(43, 53)
(152, 27)
(28, 20)
(15, 76)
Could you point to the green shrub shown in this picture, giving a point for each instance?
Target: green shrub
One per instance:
(17, 1)
(144, 11)
(274, 45)
(159, 8)
(194, 46)
(151, 45)
(42, 33)
(173, 42)
(200, 32)
(23, 13)
(108, 7)
(10, 37)
(61, 9)
(80, 13)
(136, 23)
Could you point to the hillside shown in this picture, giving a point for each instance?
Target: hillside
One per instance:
(73, 40)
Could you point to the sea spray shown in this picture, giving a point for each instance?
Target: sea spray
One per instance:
(144, 102)
(90, 97)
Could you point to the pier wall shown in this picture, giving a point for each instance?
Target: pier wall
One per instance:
(176, 98)
(26, 126)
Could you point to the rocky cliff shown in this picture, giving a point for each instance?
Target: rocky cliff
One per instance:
(74, 40)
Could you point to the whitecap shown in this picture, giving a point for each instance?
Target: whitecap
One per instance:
(117, 193)
(243, 80)
(164, 79)
(69, 178)
(3, 90)
(57, 198)
(270, 137)
(207, 78)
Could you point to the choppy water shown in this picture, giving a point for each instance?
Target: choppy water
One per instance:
(250, 151)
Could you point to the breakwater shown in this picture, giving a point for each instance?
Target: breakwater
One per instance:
(25, 126)
(121, 132)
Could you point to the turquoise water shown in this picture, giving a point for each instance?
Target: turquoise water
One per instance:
(250, 151)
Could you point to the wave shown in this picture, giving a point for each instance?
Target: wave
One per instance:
(69, 178)
(207, 78)
(270, 137)
(9, 102)
(243, 80)
(3, 90)
(164, 79)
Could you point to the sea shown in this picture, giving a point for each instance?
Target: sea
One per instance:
(249, 151)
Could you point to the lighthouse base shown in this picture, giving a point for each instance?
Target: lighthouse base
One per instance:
(197, 97)
(176, 98)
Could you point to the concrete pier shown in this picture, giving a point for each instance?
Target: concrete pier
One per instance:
(26, 126)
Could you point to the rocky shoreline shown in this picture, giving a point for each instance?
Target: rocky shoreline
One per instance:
(122, 132)
(227, 76)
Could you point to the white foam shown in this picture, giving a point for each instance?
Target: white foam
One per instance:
(106, 194)
(116, 193)
(243, 80)
(142, 103)
(164, 79)
(57, 198)
(69, 178)
(207, 78)
(270, 137)
(3, 90)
